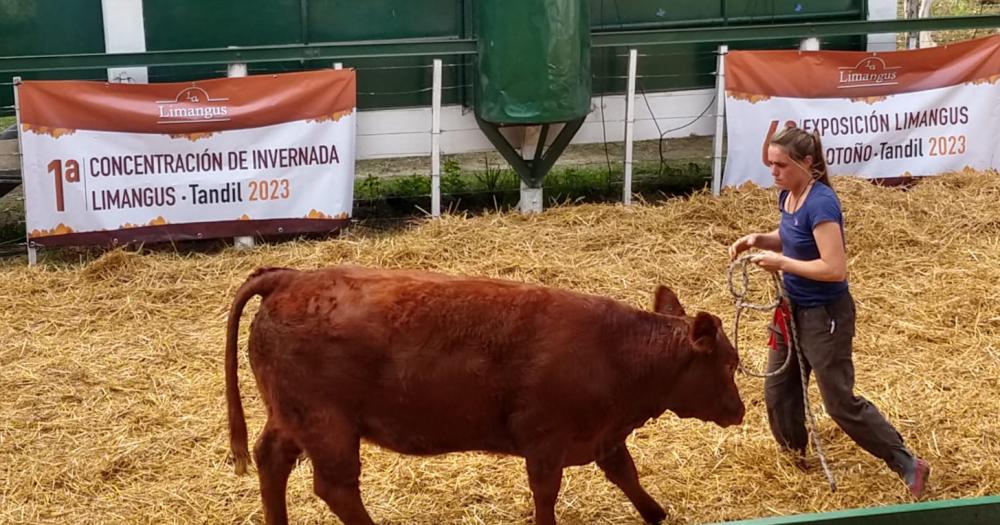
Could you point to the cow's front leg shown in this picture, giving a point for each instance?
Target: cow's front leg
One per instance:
(275, 456)
(620, 469)
(545, 478)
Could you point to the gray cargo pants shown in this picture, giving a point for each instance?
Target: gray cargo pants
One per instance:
(825, 334)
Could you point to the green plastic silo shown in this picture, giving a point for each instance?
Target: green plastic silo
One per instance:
(534, 61)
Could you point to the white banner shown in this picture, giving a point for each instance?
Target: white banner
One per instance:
(883, 115)
(87, 185)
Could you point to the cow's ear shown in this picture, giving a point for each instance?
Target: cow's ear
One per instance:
(704, 331)
(666, 302)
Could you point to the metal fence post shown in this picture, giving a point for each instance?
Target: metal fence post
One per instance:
(32, 250)
(633, 58)
(809, 44)
(720, 120)
(235, 71)
(436, 141)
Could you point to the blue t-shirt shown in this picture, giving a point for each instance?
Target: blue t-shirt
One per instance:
(797, 242)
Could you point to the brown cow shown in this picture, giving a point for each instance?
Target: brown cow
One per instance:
(425, 363)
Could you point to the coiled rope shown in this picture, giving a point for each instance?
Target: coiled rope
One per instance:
(742, 263)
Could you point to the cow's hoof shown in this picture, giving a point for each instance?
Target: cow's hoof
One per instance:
(654, 516)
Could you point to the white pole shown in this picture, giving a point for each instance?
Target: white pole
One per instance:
(924, 38)
(235, 71)
(633, 58)
(32, 251)
(124, 32)
(720, 120)
(882, 10)
(436, 141)
(531, 198)
(911, 11)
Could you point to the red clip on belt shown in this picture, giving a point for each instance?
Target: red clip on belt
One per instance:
(782, 318)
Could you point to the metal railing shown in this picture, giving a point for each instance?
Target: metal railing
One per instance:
(438, 47)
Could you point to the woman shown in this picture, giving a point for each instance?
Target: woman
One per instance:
(808, 248)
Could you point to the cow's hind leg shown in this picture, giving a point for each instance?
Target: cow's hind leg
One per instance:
(620, 469)
(275, 455)
(336, 468)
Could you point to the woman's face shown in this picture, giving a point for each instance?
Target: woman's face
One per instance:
(787, 173)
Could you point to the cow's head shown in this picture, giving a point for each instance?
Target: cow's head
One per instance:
(705, 388)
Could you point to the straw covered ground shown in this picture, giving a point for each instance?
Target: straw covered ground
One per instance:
(112, 406)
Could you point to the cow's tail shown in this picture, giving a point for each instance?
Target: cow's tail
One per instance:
(261, 282)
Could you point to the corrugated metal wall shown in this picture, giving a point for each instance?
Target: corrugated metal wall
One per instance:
(58, 26)
(48, 27)
(185, 24)
(689, 66)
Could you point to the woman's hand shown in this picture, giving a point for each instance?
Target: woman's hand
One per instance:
(770, 261)
(742, 244)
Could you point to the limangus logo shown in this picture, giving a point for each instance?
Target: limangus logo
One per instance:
(192, 104)
(869, 72)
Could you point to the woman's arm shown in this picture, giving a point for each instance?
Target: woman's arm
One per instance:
(768, 241)
(831, 265)
(762, 241)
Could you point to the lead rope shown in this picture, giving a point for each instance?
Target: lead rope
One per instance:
(739, 294)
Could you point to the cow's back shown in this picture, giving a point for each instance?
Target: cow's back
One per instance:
(426, 363)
